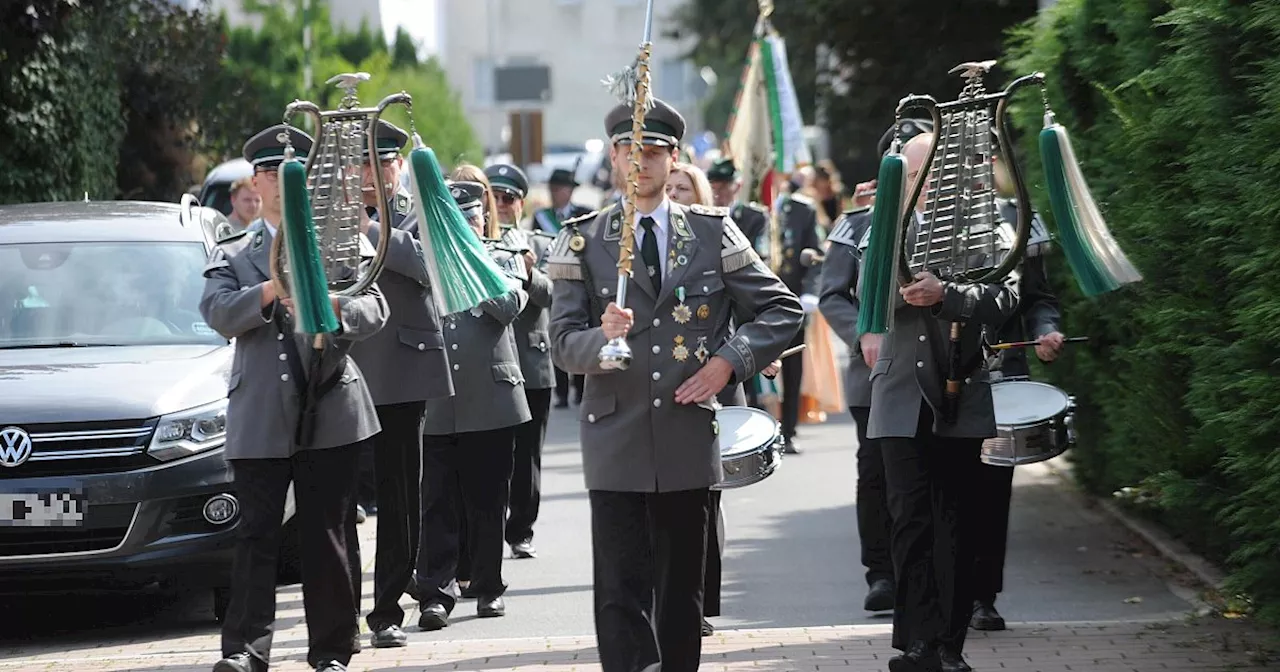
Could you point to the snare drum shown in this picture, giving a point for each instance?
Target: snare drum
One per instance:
(1033, 423)
(750, 445)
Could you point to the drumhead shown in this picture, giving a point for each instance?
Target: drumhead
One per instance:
(1020, 402)
(744, 430)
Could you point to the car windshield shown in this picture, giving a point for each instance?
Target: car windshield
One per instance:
(101, 294)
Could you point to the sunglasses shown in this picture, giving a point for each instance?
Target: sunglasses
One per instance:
(504, 198)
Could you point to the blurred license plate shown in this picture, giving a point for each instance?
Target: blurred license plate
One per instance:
(63, 507)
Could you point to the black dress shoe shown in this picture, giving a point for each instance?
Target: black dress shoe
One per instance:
(985, 617)
(356, 646)
(707, 628)
(491, 608)
(920, 657)
(434, 617)
(361, 514)
(524, 550)
(879, 596)
(951, 661)
(239, 662)
(389, 637)
(789, 448)
(331, 666)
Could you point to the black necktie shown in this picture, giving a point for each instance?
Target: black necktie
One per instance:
(649, 252)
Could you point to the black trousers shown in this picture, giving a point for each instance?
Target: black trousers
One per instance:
(323, 492)
(562, 386)
(397, 455)
(993, 490)
(526, 474)
(712, 575)
(792, 374)
(929, 481)
(475, 468)
(367, 490)
(649, 551)
(874, 523)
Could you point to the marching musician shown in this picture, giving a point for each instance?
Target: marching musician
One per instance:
(468, 445)
(534, 344)
(561, 184)
(1037, 319)
(404, 365)
(280, 431)
(838, 300)
(650, 450)
(798, 218)
(929, 464)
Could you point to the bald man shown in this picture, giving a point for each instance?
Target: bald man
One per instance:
(929, 464)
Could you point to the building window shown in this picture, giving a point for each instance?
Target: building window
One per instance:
(482, 81)
(672, 77)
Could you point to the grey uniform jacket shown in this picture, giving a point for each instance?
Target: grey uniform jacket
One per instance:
(264, 398)
(1038, 313)
(406, 361)
(914, 356)
(753, 220)
(838, 300)
(799, 232)
(531, 326)
(484, 363)
(635, 437)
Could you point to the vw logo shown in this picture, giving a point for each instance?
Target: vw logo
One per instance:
(15, 446)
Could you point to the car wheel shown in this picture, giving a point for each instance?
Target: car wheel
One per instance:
(221, 600)
(289, 565)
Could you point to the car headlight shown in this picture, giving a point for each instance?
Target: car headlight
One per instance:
(190, 432)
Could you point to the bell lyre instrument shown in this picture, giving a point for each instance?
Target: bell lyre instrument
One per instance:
(330, 208)
(631, 86)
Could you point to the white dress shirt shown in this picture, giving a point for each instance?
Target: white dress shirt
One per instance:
(661, 224)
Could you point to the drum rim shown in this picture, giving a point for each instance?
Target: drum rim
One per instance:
(754, 450)
(1066, 399)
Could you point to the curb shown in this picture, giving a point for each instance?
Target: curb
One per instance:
(1172, 549)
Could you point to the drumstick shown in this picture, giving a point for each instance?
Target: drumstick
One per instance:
(1025, 344)
(787, 353)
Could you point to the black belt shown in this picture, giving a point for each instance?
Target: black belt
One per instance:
(309, 398)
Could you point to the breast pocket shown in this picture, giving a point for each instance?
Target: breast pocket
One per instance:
(704, 299)
(421, 339)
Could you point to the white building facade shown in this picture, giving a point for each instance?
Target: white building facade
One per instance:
(342, 13)
(505, 56)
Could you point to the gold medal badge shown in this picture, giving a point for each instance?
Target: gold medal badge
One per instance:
(680, 353)
(704, 311)
(577, 243)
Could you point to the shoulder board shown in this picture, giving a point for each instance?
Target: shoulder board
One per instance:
(846, 229)
(735, 250)
(758, 208)
(854, 211)
(584, 218)
(542, 234)
(708, 210)
(801, 198)
(233, 237)
(563, 262)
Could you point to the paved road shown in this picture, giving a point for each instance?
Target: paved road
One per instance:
(792, 561)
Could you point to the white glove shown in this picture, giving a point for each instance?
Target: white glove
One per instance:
(809, 302)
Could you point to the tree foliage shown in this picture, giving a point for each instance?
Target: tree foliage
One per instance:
(872, 53)
(1174, 107)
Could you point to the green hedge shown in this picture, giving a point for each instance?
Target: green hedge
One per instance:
(1174, 108)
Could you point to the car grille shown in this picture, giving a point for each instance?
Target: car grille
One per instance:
(105, 526)
(81, 448)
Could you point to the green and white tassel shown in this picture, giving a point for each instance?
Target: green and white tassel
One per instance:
(878, 281)
(308, 287)
(1096, 260)
(462, 273)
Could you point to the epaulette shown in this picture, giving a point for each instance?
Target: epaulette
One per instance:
(846, 229)
(854, 211)
(544, 234)
(563, 262)
(735, 250)
(233, 237)
(708, 210)
(583, 218)
(801, 198)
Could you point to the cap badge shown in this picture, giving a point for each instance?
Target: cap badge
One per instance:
(502, 171)
(282, 136)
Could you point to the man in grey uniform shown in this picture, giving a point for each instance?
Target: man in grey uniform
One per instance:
(404, 365)
(534, 344)
(649, 436)
(1037, 319)
(281, 429)
(930, 464)
(838, 300)
(467, 450)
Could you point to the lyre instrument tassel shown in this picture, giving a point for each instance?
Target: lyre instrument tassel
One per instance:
(310, 287)
(878, 280)
(631, 87)
(1096, 260)
(462, 273)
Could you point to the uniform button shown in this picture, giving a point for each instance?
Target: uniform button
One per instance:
(656, 349)
(706, 288)
(591, 417)
(453, 326)
(656, 322)
(244, 286)
(919, 365)
(455, 367)
(966, 381)
(542, 347)
(657, 403)
(656, 375)
(422, 346)
(283, 357)
(284, 377)
(604, 291)
(279, 337)
(922, 338)
(454, 346)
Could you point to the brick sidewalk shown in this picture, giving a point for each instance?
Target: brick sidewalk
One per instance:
(1208, 645)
